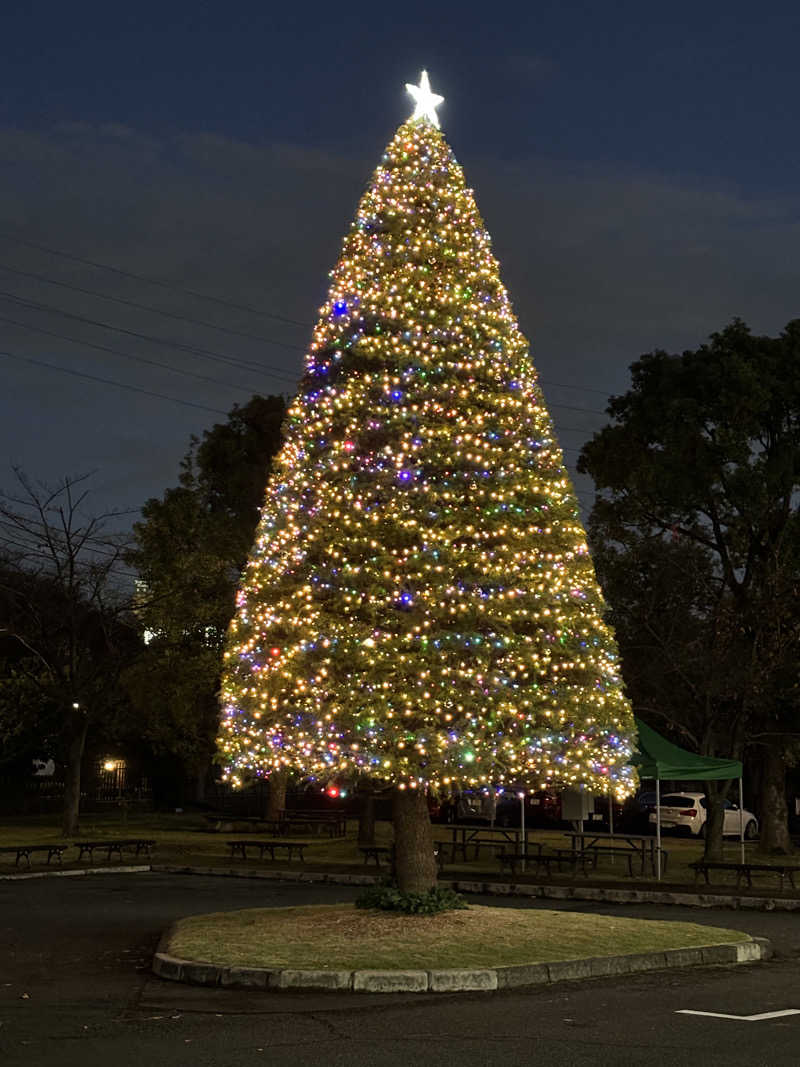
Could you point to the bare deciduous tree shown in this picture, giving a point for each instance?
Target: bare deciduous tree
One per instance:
(64, 600)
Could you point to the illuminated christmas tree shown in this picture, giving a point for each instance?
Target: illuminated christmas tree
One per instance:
(420, 605)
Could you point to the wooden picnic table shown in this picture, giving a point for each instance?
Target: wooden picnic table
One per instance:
(643, 846)
(538, 859)
(461, 837)
(335, 822)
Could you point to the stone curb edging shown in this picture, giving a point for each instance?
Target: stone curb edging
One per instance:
(194, 972)
(72, 872)
(541, 891)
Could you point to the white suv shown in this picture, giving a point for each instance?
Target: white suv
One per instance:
(689, 810)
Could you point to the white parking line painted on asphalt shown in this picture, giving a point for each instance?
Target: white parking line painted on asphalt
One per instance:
(741, 1018)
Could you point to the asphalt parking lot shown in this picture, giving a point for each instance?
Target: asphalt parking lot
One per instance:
(76, 988)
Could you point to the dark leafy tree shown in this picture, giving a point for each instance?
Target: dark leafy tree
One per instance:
(189, 550)
(695, 531)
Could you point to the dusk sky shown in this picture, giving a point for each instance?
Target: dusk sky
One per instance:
(637, 165)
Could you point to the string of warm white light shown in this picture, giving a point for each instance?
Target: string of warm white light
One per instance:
(420, 603)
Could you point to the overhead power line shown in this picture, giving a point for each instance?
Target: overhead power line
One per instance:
(152, 281)
(207, 353)
(201, 296)
(143, 307)
(127, 355)
(178, 346)
(110, 381)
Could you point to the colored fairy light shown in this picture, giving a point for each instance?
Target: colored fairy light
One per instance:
(420, 604)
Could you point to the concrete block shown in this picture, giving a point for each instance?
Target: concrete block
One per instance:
(520, 975)
(528, 890)
(748, 951)
(606, 966)
(720, 954)
(460, 981)
(470, 887)
(592, 894)
(500, 889)
(166, 966)
(569, 970)
(286, 979)
(683, 957)
(245, 977)
(646, 961)
(765, 945)
(200, 973)
(390, 981)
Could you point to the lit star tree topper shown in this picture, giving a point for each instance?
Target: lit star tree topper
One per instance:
(420, 605)
(425, 102)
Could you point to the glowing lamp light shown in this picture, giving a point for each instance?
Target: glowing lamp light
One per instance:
(110, 765)
(332, 791)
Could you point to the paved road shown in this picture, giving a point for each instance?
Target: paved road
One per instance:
(75, 989)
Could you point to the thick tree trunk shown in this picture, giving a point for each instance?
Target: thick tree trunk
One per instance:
(366, 817)
(715, 797)
(774, 839)
(200, 780)
(276, 794)
(72, 776)
(415, 863)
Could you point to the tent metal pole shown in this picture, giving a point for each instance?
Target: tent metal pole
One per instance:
(741, 818)
(523, 850)
(658, 829)
(610, 810)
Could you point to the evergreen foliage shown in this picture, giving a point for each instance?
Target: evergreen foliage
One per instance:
(420, 604)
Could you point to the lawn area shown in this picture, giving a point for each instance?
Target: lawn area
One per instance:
(185, 839)
(345, 938)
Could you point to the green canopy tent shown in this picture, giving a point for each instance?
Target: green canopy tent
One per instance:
(658, 758)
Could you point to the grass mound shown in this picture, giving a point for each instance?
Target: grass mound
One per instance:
(340, 937)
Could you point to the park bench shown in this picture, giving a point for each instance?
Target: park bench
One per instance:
(375, 852)
(556, 857)
(129, 844)
(24, 851)
(745, 870)
(290, 848)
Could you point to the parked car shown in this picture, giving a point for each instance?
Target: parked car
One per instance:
(690, 811)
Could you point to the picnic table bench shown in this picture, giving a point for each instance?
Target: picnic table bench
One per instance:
(335, 822)
(134, 844)
(376, 852)
(244, 823)
(24, 851)
(626, 854)
(745, 870)
(290, 847)
(556, 856)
